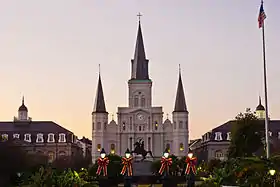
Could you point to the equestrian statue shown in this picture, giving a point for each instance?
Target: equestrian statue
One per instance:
(140, 150)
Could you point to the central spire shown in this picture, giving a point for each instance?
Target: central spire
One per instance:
(139, 69)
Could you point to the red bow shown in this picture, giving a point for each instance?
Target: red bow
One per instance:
(191, 162)
(127, 166)
(102, 166)
(165, 164)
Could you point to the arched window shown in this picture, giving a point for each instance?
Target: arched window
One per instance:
(123, 126)
(136, 101)
(98, 125)
(142, 101)
(181, 147)
(98, 147)
(50, 157)
(62, 153)
(168, 147)
(112, 148)
(156, 125)
(140, 128)
(180, 124)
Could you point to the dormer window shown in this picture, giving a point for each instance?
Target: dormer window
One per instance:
(61, 138)
(218, 136)
(40, 138)
(4, 137)
(229, 136)
(16, 136)
(50, 138)
(27, 137)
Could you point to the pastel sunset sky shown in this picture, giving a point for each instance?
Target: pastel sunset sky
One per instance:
(50, 51)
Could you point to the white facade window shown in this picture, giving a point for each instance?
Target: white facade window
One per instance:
(16, 136)
(61, 137)
(218, 136)
(4, 137)
(40, 138)
(270, 133)
(229, 136)
(50, 138)
(27, 137)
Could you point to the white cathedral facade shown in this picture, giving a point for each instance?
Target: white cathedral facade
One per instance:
(140, 120)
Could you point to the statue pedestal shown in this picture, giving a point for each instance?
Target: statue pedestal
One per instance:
(137, 158)
(142, 168)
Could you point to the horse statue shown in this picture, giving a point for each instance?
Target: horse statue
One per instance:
(140, 150)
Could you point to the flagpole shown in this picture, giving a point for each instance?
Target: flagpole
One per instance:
(265, 96)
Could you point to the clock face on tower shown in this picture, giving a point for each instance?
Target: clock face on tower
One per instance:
(140, 116)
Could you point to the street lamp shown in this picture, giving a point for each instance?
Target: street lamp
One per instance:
(127, 153)
(128, 177)
(102, 153)
(190, 154)
(190, 169)
(272, 173)
(166, 153)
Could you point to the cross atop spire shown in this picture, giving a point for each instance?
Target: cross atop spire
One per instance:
(139, 16)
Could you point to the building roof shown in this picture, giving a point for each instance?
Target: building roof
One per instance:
(180, 102)
(139, 63)
(32, 126)
(99, 104)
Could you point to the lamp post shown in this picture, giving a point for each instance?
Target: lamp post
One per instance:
(127, 168)
(190, 169)
(102, 162)
(166, 163)
(272, 173)
(19, 174)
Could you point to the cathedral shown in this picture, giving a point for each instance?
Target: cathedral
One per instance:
(140, 121)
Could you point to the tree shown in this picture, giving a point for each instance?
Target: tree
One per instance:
(247, 133)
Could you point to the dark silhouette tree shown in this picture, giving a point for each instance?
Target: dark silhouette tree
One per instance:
(246, 135)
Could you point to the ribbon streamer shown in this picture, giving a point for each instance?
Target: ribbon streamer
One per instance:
(165, 164)
(127, 166)
(102, 166)
(191, 162)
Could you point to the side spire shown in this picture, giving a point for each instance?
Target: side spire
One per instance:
(139, 63)
(99, 104)
(180, 102)
(260, 106)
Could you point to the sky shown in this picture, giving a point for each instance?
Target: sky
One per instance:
(50, 51)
